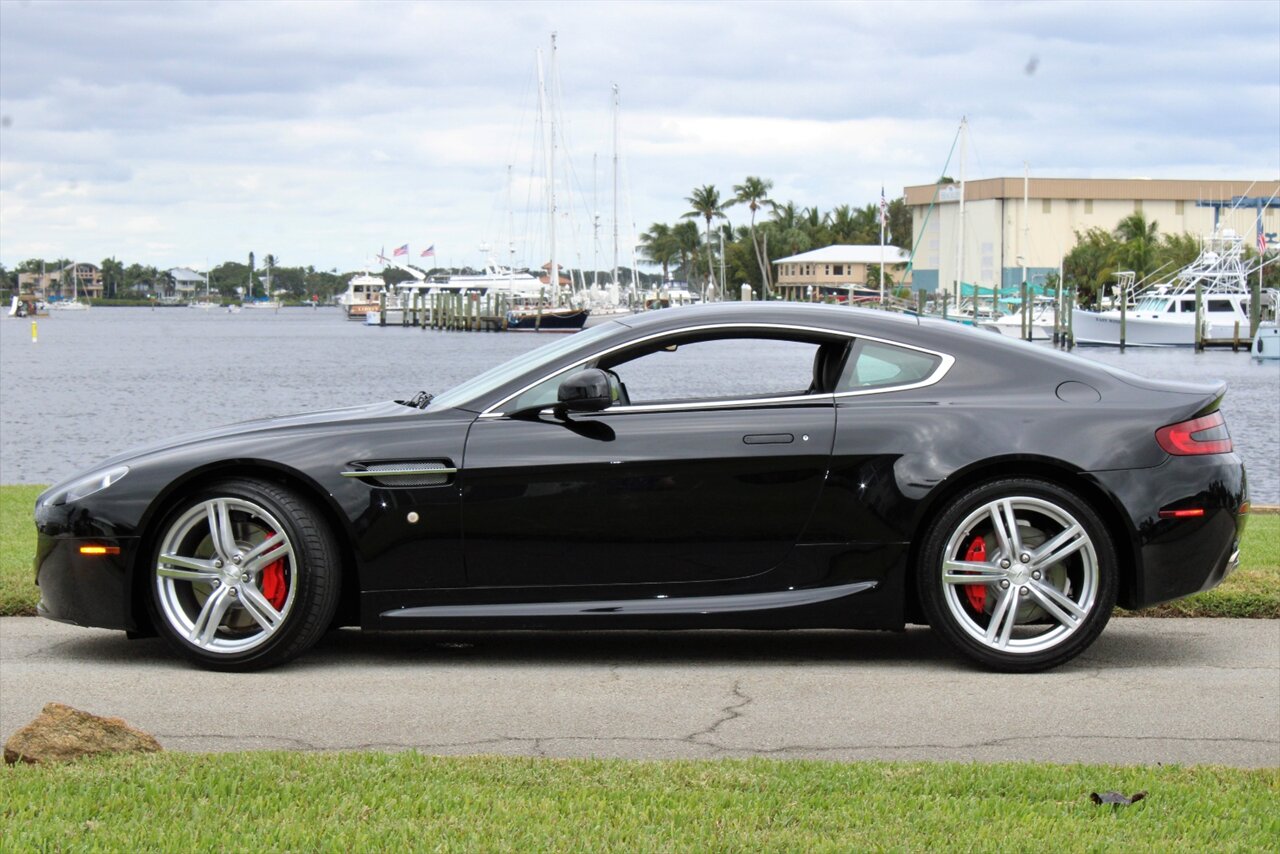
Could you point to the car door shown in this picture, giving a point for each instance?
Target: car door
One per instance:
(672, 484)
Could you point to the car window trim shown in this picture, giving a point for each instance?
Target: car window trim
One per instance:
(944, 365)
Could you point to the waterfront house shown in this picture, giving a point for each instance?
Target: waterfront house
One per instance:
(187, 283)
(58, 284)
(835, 270)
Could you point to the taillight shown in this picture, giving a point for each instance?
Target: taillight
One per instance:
(1205, 435)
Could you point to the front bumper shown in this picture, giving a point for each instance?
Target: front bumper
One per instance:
(1172, 558)
(87, 590)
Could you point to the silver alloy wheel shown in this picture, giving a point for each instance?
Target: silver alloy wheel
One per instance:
(1040, 572)
(210, 571)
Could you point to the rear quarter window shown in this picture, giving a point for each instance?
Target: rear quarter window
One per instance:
(874, 365)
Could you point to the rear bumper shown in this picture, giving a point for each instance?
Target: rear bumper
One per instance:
(1172, 558)
(86, 590)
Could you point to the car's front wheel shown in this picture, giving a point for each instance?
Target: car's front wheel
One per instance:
(1018, 574)
(244, 575)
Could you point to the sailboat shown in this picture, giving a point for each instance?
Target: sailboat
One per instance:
(206, 303)
(266, 301)
(74, 303)
(553, 315)
(606, 304)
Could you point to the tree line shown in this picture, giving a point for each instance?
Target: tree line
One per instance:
(230, 279)
(705, 241)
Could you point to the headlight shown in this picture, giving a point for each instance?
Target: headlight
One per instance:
(87, 486)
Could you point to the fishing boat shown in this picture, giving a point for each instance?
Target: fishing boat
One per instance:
(1039, 316)
(1164, 314)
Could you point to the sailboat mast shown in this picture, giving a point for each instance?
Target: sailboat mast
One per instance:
(595, 224)
(964, 123)
(548, 112)
(511, 238)
(615, 192)
(1026, 219)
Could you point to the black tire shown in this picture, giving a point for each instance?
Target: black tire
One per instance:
(1018, 615)
(243, 575)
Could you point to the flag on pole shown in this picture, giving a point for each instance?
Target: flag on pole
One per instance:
(884, 207)
(401, 250)
(429, 252)
(1262, 242)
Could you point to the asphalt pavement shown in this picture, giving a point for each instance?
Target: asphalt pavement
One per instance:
(1168, 691)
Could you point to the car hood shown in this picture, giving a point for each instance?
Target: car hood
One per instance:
(273, 424)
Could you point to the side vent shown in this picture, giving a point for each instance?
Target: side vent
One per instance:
(406, 474)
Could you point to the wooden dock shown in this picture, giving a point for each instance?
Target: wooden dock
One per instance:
(451, 312)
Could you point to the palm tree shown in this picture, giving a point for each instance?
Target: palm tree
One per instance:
(789, 229)
(1140, 240)
(754, 192)
(705, 202)
(687, 240)
(660, 246)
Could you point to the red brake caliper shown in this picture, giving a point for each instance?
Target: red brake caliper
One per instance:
(976, 593)
(273, 584)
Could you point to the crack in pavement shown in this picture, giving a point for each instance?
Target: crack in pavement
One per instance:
(728, 713)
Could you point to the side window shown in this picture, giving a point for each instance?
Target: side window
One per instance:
(1219, 305)
(876, 365)
(723, 368)
(726, 368)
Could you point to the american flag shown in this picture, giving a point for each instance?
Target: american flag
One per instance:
(429, 251)
(1262, 242)
(401, 250)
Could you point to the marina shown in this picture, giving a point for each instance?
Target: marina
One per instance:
(158, 373)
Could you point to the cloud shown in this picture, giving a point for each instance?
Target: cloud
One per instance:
(322, 131)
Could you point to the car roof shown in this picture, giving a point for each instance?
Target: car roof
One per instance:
(830, 316)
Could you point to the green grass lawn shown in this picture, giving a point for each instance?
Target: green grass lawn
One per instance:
(407, 801)
(1252, 591)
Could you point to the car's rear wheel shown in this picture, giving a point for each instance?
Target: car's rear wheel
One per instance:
(1018, 574)
(244, 575)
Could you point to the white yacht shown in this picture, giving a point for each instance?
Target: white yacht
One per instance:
(1164, 315)
(361, 296)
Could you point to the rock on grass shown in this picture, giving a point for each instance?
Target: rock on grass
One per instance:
(63, 734)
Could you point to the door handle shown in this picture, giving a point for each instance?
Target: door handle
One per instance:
(768, 438)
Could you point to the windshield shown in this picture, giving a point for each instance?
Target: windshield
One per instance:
(495, 378)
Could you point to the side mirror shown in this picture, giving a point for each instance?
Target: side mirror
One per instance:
(586, 391)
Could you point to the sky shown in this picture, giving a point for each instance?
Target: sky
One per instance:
(189, 133)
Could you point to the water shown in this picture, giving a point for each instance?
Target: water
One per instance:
(105, 380)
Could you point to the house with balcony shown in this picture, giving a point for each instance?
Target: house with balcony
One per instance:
(64, 282)
(837, 271)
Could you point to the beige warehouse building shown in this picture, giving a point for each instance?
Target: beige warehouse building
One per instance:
(1000, 231)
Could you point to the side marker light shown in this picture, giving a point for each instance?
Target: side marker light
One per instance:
(99, 550)
(1190, 513)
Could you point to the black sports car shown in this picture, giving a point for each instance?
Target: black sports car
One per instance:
(738, 465)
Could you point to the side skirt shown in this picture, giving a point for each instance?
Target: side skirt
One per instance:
(657, 607)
